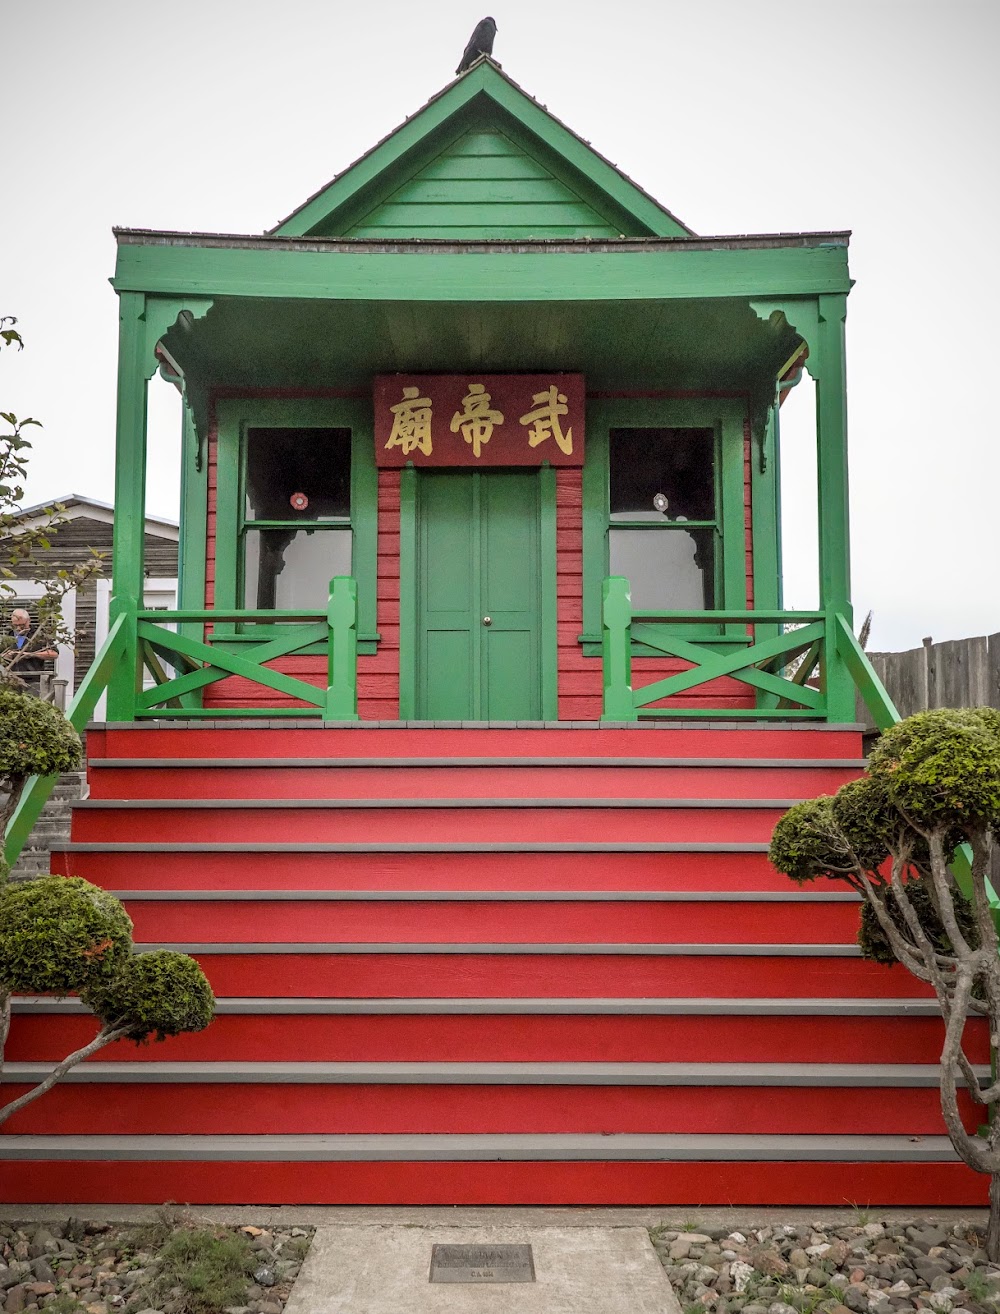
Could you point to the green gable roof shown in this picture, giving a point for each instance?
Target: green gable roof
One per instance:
(482, 160)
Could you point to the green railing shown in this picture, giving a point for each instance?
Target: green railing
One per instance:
(774, 655)
(183, 653)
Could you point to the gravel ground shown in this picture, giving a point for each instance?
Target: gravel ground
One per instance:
(79, 1267)
(874, 1264)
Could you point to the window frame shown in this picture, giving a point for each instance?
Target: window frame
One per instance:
(725, 417)
(235, 417)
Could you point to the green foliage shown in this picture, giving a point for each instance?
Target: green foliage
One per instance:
(58, 934)
(806, 842)
(866, 817)
(35, 737)
(942, 768)
(874, 942)
(158, 994)
(212, 1270)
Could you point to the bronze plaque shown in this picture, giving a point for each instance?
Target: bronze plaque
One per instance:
(482, 1264)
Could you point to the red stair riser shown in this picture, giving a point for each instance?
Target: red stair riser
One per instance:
(426, 871)
(439, 825)
(258, 1109)
(672, 741)
(502, 1038)
(460, 923)
(468, 782)
(552, 976)
(543, 1183)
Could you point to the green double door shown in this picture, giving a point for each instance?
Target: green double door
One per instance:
(478, 596)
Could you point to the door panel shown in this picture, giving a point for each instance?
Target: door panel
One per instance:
(478, 557)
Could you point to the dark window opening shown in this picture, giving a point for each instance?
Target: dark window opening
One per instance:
(298, 474)
(662, 475)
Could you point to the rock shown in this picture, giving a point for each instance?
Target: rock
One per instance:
(738, 1237)
(798, 1258)
(856, 1296)
(766, 1260)
(779, 1307)
(39, 1288)
(754, 1309)
(741, 1273)
(817, 1278)
(925, 1237)
(900, 1289)
(8, 1277)
(265, 1277)
(269, 1307)
(16, 1299)
(873, 1230)
(42, 1269)
(681, 1247)
(819, 1250)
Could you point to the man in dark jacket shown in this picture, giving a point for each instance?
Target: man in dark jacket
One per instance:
(27, 650)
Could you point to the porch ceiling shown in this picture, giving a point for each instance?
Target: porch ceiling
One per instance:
(619, 345)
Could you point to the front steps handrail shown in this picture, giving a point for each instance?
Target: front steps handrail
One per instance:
(140, 640)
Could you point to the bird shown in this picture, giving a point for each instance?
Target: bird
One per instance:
(480, 43)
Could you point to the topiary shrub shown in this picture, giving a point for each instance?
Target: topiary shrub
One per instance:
(35, 737)
(61, 934)
(157, 994)
(902, 839)
(58, 933)
(942, 768)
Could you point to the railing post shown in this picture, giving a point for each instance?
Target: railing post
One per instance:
(616, 650)
(342, 650)
(126, 679)
(836, 678)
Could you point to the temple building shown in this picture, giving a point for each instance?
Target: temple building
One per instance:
(457, 762)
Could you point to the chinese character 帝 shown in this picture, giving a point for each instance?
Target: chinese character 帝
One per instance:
(544, 420)
(476, 420)
(411, 423)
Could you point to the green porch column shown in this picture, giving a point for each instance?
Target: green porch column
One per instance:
(127, 563)
(829, 371)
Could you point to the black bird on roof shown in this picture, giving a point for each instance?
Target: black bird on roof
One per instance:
(480, 43)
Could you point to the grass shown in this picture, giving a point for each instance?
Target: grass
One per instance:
(206, 1270)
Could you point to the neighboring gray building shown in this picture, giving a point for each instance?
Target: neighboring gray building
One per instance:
(90, 524)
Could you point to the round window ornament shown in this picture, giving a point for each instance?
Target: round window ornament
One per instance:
(299, 501)
(660, 502)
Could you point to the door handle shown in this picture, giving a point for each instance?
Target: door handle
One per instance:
(487, 620)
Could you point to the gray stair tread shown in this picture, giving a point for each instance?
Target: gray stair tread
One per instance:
(629, 1007)
(182, 763)
(803, 898)
(459, 947)
(387, 804)
(888, 1075)
(470, 1147)
(461, 846)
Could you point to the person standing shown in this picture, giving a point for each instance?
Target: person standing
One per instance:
(27, 650)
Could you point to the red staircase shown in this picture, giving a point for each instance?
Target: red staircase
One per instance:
(539, 964)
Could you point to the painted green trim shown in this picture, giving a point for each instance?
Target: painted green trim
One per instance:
(667, 274)
(731, 539)
(407, 593)
(193, 534)
(234, 416)
(549, 602)
(342, 660)
(765, 525)
(616, 621)
(484, 87)
(81, 710)
(872, 690)
(831, 434)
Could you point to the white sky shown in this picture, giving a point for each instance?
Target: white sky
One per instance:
(741, 116)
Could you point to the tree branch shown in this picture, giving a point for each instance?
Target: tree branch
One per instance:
(104, 1037)
(971, 1149)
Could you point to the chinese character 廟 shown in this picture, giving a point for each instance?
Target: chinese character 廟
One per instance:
(544, 420)
(476, 420)
(411, 423)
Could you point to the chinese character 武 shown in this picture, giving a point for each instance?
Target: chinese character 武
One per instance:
(544, 420)
(411, 423)
(476, 420)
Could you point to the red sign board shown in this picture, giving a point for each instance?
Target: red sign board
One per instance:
(479, 419)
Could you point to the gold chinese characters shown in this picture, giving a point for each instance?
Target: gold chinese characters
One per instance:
(476, 420)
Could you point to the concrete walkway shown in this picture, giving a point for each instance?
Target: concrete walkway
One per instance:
(385, 1269)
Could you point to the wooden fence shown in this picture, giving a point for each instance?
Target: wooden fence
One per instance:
(960, 673)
